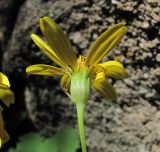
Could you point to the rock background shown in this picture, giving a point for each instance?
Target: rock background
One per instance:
(132, 123)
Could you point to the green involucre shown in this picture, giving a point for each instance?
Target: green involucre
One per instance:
(80, 86)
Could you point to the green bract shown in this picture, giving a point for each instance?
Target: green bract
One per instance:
(80, 86)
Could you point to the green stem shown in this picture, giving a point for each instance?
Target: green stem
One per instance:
(80, 115)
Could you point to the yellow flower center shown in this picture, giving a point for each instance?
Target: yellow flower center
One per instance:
(81, 61)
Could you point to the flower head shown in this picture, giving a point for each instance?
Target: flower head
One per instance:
(79, 75)
(7, 97)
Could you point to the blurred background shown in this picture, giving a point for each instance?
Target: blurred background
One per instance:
(132, 123)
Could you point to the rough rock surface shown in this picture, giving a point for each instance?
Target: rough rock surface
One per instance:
(132, 123)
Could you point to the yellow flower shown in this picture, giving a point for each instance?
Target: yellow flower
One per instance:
(7, 97)
(79, 75)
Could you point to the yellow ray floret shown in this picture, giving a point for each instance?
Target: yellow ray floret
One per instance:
(114, 69)
(58, 41)
(104, 43)
(42, 69)
(7, 97)
(46, 49)
(105, 89)
(4, 82)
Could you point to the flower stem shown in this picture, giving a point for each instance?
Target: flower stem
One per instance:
(80, 115)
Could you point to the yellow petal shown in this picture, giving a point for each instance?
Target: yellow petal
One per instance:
(7, 96)
(104, 43)
(4, 82)
(58, 41)
(4, 137)
(98, 73)
(66, 82)
(47, 50)
(114, 69)
(105, 89)
(42, 69)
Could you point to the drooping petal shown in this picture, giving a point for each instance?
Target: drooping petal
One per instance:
(100, 76)
(58, 41)
(98, 73)
(66, 82)
(4, 82)
(104, 43)
(114, 69)
(7, 96)
(4, 137)
(47, 50)
(105, 89)
(42, 69)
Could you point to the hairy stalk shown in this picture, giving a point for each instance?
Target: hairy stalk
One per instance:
(80, 115)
